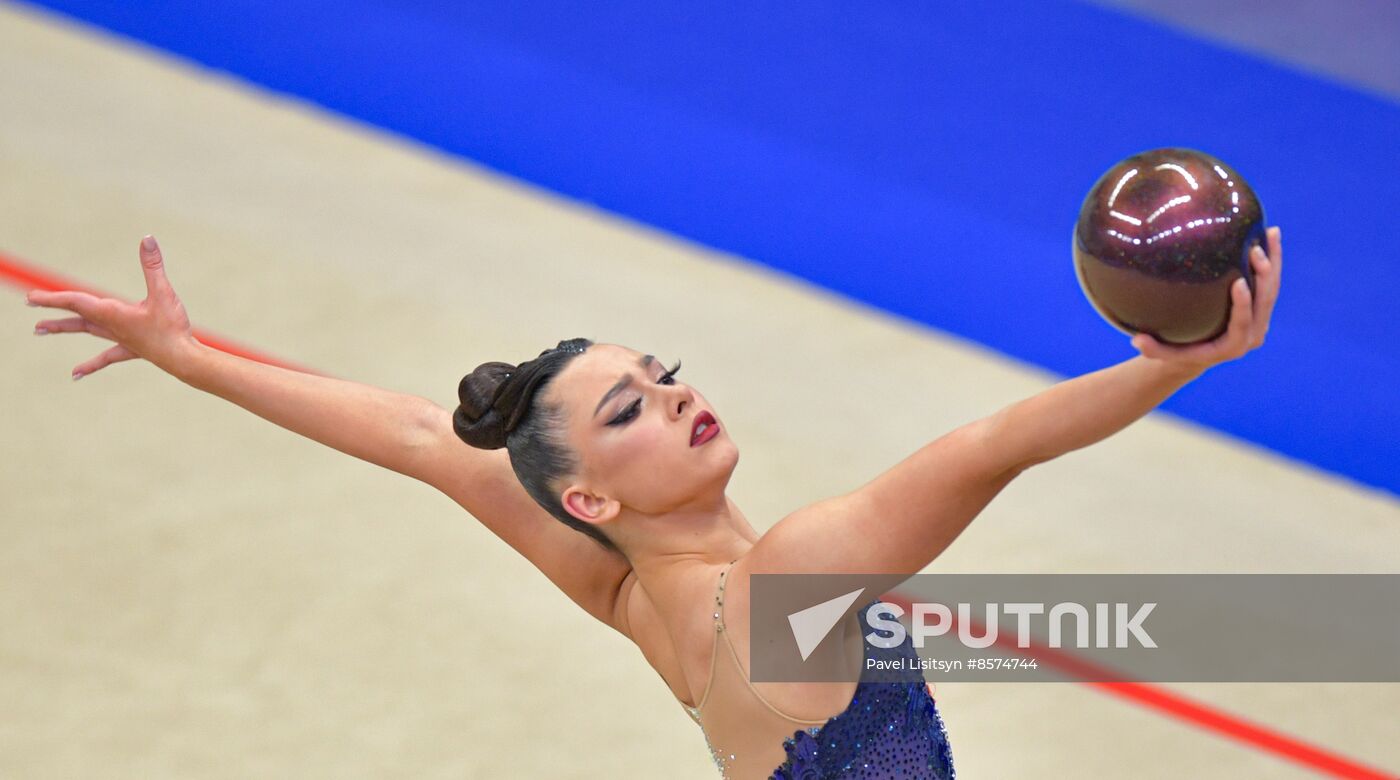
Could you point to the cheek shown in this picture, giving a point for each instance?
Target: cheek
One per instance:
(632, 452)
(651, 445)
(647, 454)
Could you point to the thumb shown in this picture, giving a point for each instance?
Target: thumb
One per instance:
(1147, 345)
(153, 266)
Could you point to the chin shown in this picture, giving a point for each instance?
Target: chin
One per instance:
(730, 458)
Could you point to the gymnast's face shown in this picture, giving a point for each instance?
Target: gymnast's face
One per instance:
(631, 426)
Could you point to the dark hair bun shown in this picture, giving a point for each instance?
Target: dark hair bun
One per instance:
(497, 396)
(481, 420)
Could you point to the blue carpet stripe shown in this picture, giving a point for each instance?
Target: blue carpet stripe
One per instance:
(928, 159)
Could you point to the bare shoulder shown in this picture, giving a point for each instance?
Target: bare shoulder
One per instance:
(816, 538)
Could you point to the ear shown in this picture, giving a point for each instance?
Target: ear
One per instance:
(588, 507)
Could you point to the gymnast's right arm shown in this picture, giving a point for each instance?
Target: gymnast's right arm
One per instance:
(404, 433)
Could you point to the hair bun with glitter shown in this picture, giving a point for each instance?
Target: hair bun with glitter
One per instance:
(484, 417)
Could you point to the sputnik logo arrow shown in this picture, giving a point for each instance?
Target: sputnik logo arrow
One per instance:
(811, 625)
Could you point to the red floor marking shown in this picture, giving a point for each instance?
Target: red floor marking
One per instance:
(1180, 707)
(29, 277)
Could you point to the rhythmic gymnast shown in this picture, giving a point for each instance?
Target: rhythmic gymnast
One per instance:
(608, 473)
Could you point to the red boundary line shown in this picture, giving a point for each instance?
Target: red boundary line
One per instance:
(1181, 708)
(29, 277)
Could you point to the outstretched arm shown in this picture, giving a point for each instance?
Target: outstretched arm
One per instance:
(905, 517)
(404, 433)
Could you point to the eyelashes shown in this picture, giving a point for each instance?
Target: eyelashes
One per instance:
(668, 378)
(630, 411)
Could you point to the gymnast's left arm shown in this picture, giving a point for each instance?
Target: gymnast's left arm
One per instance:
(905, 517)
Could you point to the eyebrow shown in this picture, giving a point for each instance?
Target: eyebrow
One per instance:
(621, 383)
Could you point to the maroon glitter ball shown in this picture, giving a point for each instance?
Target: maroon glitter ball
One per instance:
(1161, 237)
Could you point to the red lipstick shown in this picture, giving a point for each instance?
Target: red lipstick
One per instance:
(703, 429)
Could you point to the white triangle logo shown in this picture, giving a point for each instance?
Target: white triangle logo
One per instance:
(811, 625)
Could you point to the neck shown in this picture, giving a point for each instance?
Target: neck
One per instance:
(677, 551)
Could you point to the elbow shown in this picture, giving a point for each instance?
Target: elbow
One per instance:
(1025, 465)
(432, 423)
(428, 426)
(1004, 455)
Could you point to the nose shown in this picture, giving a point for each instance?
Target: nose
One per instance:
(678, 396)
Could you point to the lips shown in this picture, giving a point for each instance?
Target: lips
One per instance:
(706, 421)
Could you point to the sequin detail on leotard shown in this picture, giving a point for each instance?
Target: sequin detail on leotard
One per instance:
(891, 728)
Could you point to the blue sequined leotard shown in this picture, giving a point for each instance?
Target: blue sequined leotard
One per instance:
(890, 729)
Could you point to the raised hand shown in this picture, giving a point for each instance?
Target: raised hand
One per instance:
(156, 329)
(1249, 316)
